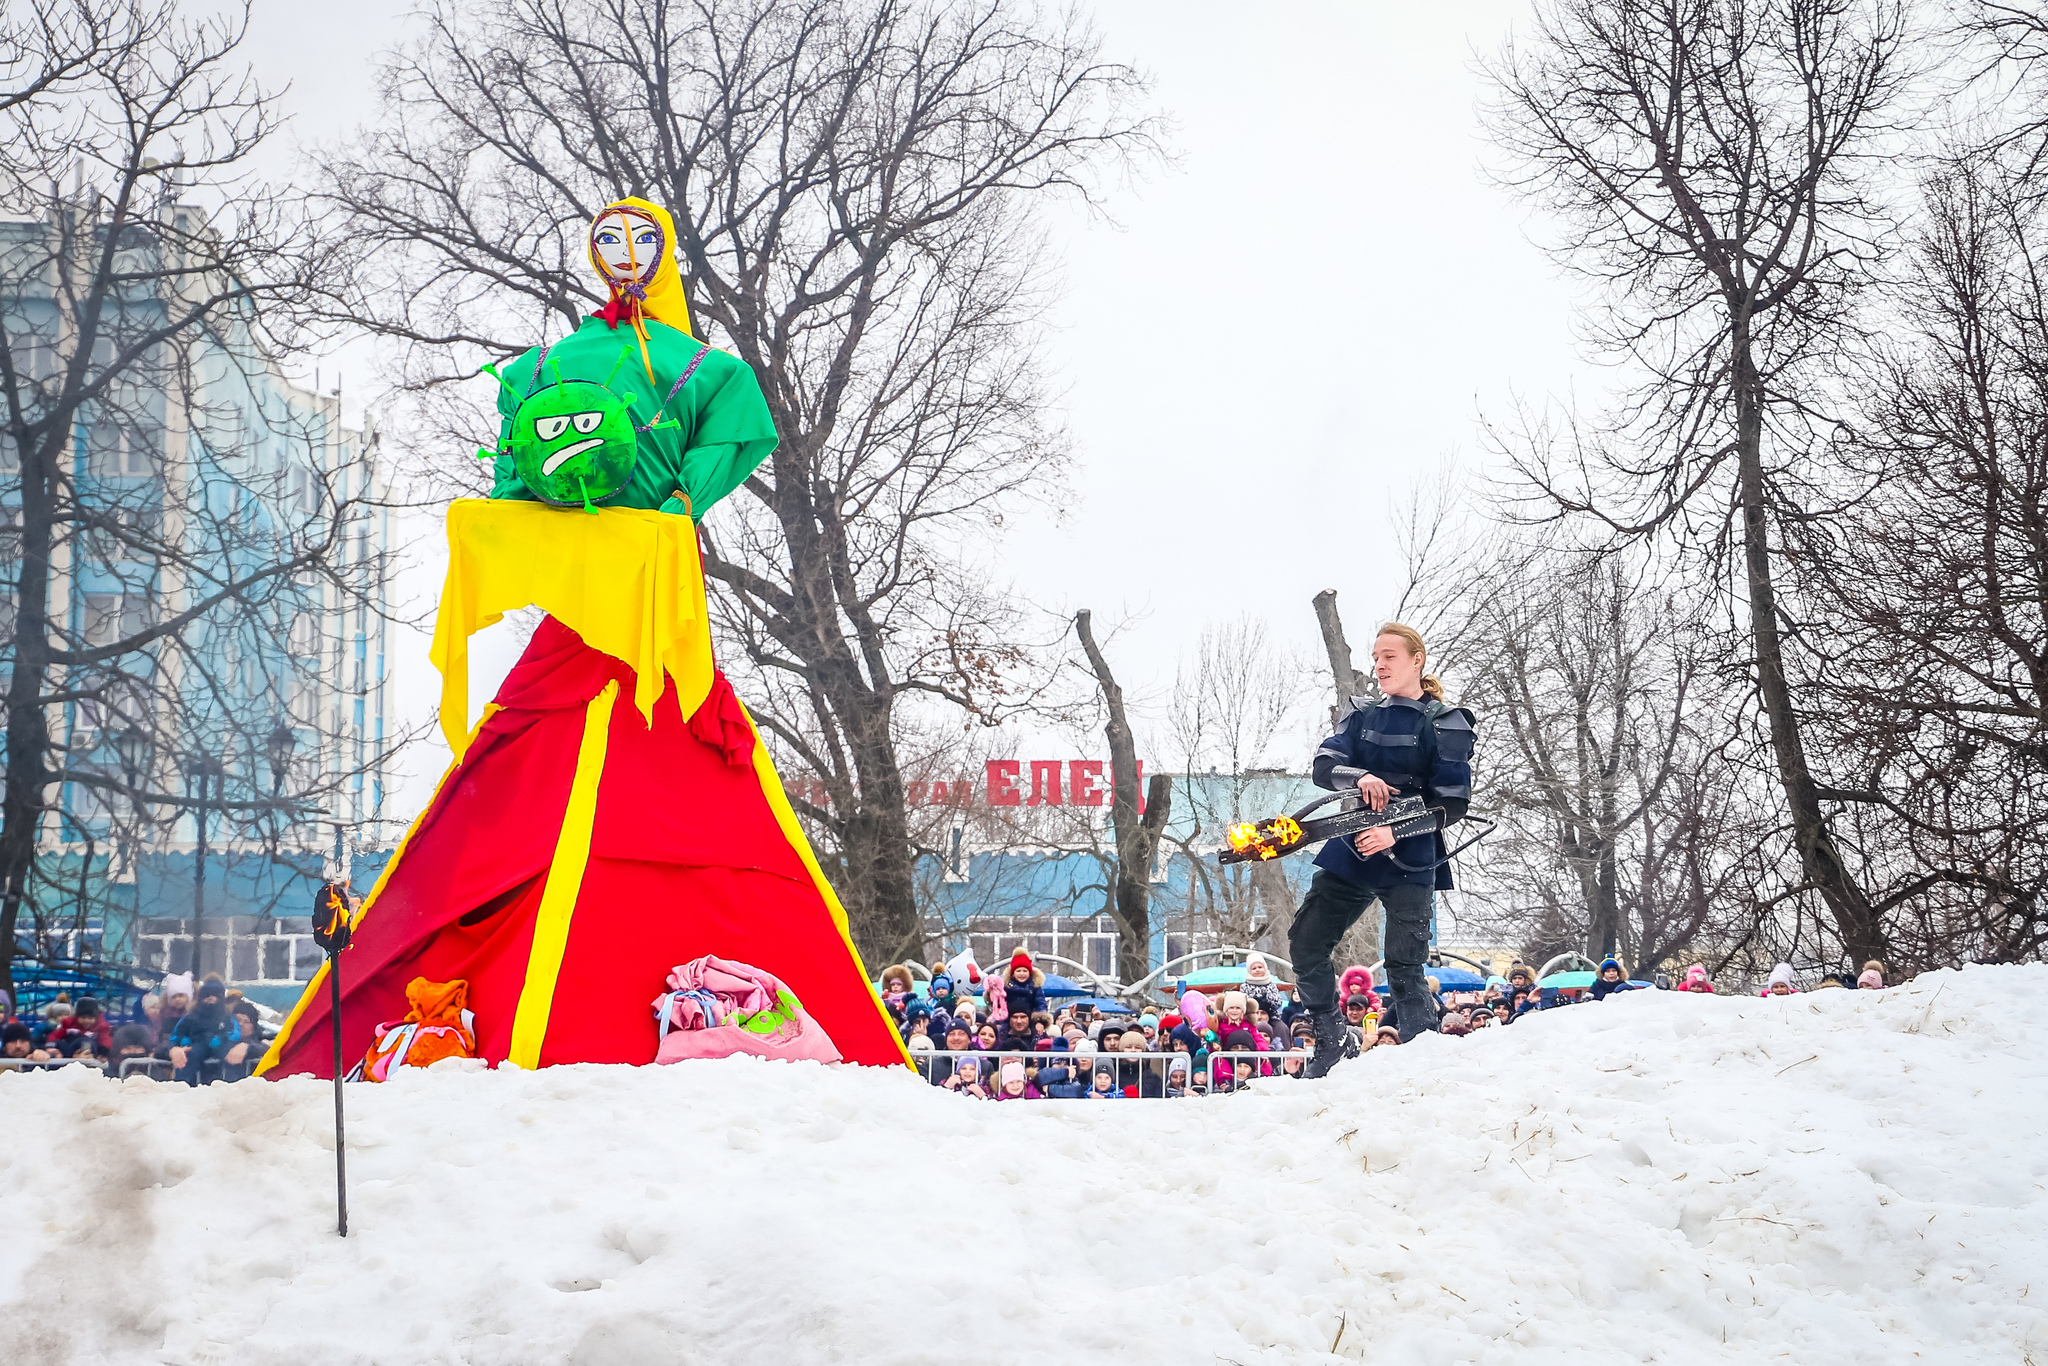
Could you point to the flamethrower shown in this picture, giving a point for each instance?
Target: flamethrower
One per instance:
(1282, 835)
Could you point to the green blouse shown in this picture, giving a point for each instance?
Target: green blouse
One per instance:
(723, 428)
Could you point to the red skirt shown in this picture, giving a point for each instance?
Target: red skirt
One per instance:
(687, 857)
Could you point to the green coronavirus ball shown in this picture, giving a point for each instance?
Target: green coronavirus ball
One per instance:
(573, 443)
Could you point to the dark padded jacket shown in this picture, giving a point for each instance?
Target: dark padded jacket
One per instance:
(1415, 747)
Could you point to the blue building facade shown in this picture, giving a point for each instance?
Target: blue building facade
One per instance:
(1043, 882)
(238, 511)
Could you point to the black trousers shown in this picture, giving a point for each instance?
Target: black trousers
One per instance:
(1333, 906)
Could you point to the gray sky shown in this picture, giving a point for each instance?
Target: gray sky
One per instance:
(1278, 335)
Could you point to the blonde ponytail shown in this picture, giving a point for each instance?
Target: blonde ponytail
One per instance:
(1433, 687)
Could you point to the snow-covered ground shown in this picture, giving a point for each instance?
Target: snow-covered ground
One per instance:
(1835, 1177)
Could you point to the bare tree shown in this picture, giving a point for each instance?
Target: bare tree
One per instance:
(1137, 831)
(852, 186)
(180, 532)
(1236, 719)
(1623, 823)
(1939, 662)
(1708, 159)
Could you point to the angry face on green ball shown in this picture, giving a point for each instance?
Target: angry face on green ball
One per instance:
(573, 443)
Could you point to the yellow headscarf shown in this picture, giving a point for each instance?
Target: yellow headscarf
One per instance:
(661, 297)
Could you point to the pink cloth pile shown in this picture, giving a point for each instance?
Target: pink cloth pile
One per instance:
(715, 1008)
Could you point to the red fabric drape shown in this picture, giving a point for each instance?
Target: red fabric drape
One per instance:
(686, 859)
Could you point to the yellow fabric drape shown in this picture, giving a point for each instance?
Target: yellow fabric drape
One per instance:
(626, 580)
(565, 881)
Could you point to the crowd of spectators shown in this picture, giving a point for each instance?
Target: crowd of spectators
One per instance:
(970, 1041)
(195, 1033)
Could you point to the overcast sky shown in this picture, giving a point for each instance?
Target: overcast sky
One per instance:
(1278, 335)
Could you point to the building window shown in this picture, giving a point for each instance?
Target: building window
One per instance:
(1099, 953)
(111, 618)
(114, 452)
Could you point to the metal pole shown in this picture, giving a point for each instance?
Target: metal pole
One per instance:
(340, 1155)
(199, 874)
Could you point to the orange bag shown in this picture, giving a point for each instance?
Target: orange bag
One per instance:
(438, 1026)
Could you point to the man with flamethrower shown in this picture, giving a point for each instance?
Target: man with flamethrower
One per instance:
(1410, 758)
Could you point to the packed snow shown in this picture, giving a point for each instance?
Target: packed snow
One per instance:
(1841, 1176)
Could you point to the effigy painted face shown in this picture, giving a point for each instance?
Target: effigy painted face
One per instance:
(628, 244)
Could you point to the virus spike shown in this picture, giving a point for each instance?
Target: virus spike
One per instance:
(624, 352)
(510, 387)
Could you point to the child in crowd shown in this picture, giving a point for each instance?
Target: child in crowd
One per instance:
(209, 1032)
(896, 990)
(1023, 985)
(1872, 976)
(1105, 1085)
(1260, 988)
(1696, 980)
(1610, 980)
(1015, 1085)
(84, 1033)
(966, 1079)
(1781, 982)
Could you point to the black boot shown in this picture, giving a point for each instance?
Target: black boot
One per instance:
(1331, 1035)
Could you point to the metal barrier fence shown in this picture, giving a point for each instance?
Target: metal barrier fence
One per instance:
(156, 1069)
(1143, 1076)
(48, 1064)
(1150, 1074)
(1245, 1068)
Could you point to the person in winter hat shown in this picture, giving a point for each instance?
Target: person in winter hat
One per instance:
(1780, 983)
(1696, 980)
(966, 1079)
(1610, 980)
(1235, 1014)
(1018, 1035)
(129, 1041)
(1872, 977)
(18, 1041)
(896, 989)
(86, 1032)
(1104, 1087)
(1015, 1085)
(1259, 986)
(1356, 979)
(209, 1032)
(1023, 984)
(917, 1017)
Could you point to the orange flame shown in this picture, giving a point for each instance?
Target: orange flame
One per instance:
(1266, 839)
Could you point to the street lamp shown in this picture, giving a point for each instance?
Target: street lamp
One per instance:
(133, 748)
(283, 740)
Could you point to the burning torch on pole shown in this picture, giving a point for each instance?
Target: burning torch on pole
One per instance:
(333, 921)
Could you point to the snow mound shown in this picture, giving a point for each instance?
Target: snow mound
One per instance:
(1834, 1177)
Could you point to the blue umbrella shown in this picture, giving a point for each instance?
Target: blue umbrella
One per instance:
(1104, 1005)
(1456, 979)
(1056, 985)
